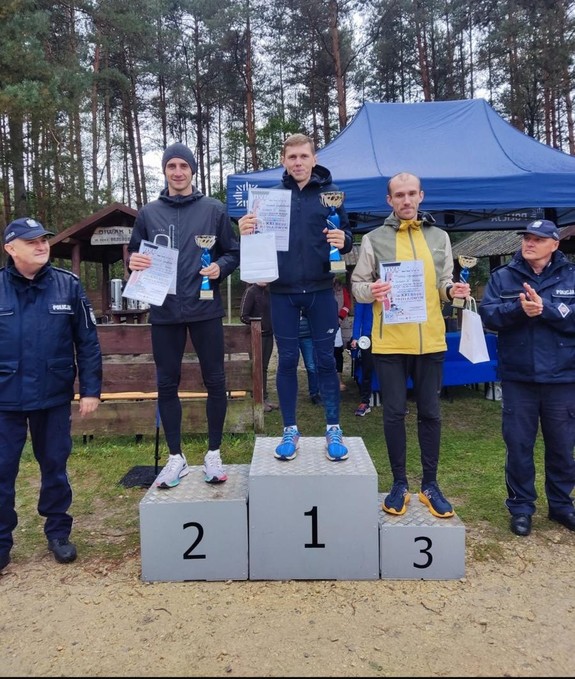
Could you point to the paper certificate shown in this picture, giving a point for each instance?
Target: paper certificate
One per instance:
(405, 302)
(272, 208)
(153, 284)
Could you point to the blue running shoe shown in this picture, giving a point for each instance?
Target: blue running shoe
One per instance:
(431, 496)
(335, 450)
(288, 448)
(397, 499)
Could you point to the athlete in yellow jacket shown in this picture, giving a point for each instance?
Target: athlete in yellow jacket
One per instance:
(408, 333)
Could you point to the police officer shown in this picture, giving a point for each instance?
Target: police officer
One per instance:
(530, 302)
(47, 336)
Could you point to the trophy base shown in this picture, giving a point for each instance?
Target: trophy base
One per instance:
(458, 303)
(207, 294)
(337, 266)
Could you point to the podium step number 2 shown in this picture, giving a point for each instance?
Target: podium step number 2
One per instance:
(196, 531)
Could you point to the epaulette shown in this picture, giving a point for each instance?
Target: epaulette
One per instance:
(70, 273)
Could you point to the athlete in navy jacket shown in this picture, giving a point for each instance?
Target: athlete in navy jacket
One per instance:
(305, 282)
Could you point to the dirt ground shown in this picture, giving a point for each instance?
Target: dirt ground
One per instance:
(513, 615)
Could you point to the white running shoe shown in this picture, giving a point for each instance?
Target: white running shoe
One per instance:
(171, 474)
(213, 467)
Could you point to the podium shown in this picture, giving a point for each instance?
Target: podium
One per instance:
(312, 518)
(309, 518)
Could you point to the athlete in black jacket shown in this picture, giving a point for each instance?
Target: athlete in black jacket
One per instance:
(179, 215)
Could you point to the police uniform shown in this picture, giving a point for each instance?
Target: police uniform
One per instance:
(48, 337)
(537, 370)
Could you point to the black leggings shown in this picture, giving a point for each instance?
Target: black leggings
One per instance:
(338, 353)
(426, 371)
(168, 344)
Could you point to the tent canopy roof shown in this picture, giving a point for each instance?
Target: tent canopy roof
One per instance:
(469, 159)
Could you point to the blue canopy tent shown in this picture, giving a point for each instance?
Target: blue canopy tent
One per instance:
(477, 171)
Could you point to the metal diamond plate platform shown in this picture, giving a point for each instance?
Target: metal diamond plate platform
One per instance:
(417, 515)
(310, 517)
(193, 487)
(311, 458)
(197, 530)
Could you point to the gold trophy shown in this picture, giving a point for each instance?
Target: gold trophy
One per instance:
(333, 200)
(465, 263)
(206, 243)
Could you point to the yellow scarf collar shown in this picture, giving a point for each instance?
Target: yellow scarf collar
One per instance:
(409, 224)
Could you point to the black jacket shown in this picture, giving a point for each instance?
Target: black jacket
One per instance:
(175, 221)
(47, 336)
(256, 304)
(304, 267)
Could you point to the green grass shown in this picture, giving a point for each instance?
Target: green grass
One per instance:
(106, 519)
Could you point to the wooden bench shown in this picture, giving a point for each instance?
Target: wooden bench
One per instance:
(129, 389)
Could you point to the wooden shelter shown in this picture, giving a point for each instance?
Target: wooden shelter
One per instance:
(102, 238)
(499, 246)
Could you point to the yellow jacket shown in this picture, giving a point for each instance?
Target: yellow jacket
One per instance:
(402, 242)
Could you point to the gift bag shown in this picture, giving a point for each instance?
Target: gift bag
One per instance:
(258, 258)
(472, 343)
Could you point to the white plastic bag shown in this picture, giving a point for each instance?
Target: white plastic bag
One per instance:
(258, 258)
(472, 344)
(338, 341)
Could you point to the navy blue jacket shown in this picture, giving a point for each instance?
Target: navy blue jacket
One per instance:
(47, 336)
(175, 221)
(304, 267)
(539, 349)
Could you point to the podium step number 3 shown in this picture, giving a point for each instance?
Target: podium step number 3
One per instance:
(419, 546)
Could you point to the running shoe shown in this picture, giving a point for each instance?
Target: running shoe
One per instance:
(335, 450)
(288, 448)
(431, 496)
(362, 409)
(213, 468)
(397, 499)
(173, 471)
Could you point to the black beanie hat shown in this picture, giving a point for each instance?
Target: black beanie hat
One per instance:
(179, 150)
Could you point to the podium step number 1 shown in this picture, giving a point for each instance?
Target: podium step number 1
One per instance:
(311, 518)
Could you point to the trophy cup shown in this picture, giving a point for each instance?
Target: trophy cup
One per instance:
(206, 242)
(333, 200)
(465, 263)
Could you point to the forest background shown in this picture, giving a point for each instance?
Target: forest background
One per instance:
(91, 91)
